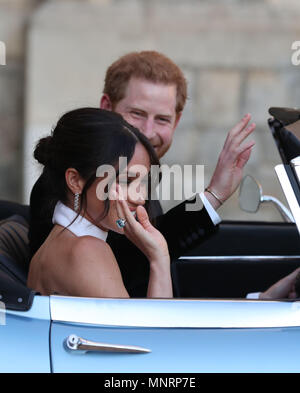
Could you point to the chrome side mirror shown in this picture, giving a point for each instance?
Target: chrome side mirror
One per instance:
(251, 196)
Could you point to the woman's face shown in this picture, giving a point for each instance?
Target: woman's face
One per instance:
(134, 183)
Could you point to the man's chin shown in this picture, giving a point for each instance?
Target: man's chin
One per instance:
(159, 151)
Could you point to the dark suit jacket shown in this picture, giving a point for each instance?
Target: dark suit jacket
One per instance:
(182, 229)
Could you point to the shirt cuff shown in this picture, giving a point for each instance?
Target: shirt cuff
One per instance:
(253, 295)
(214, 216)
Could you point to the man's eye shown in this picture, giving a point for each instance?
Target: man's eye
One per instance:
(164, 120)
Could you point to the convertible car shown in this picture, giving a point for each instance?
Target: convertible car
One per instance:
(209, 326)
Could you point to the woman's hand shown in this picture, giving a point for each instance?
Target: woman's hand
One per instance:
(152, 243)
(142, 233)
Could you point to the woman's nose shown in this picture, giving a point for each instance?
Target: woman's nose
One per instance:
(138, 196)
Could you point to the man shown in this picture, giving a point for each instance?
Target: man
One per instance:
(150, 91)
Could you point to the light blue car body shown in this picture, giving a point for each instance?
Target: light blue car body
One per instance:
(182, 335)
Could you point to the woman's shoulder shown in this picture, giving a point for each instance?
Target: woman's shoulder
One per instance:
(87, 242)
(91, 249)
(92, 270)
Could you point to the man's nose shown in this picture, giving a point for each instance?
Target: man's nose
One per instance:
(148, 128)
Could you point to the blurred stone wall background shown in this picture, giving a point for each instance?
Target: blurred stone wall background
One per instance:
(236, 55)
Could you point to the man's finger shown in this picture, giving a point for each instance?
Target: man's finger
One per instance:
(245, 155)
(244, 134)
(239, 126)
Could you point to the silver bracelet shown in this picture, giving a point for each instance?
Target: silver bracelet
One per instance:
(214, 195)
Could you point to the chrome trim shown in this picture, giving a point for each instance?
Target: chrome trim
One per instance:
(289, 193)
(75, 343)
(296, 165)
(175, 313)
(284, 212)
(243, 258)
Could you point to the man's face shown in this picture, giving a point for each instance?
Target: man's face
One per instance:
(150, 107)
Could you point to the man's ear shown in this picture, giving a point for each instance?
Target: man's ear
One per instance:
(74, 181)
(105, 103)
(178, 117)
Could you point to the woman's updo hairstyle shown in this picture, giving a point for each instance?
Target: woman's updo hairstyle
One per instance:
(43, 151)
(84, 139)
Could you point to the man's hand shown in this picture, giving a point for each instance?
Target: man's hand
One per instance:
(284, 288)
(233, 157)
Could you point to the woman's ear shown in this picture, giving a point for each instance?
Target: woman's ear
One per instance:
(74, 181)
(105, 103)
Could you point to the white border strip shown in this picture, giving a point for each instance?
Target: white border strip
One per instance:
(289, 193)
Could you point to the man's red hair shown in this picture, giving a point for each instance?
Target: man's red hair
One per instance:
(149, 65)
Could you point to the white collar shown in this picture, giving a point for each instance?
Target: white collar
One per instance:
(64, 216)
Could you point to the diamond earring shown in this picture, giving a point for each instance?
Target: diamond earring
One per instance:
(76, 201)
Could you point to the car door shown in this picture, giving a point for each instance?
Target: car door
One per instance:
(179, 335)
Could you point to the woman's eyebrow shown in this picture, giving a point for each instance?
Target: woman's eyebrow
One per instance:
(133, 174)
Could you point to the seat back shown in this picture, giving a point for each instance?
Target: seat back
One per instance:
(14, 249)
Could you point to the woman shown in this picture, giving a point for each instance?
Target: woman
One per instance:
(75, 260)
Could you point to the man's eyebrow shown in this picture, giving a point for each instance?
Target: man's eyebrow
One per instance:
(165, 116)
(136, 108)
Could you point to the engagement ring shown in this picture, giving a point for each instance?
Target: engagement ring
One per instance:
(121, 222)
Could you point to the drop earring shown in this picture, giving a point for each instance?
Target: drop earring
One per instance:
(76, 201)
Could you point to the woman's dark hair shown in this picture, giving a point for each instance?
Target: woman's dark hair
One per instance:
(83, 139)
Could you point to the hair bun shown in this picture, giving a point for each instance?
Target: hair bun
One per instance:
(43, 150)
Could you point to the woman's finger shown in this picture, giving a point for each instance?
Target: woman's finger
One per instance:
(123, 210)
(143, 217)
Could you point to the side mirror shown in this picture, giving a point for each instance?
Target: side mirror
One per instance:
(251, 196)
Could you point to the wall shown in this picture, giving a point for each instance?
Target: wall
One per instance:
(236, 56)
